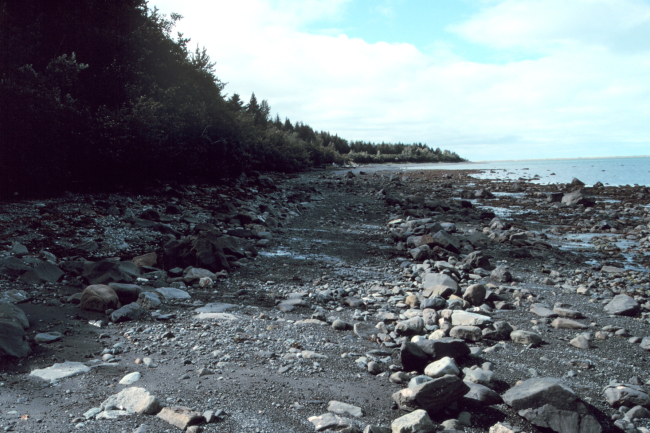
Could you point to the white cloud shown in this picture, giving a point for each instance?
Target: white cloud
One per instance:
(580, 98)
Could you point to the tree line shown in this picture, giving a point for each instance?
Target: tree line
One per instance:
(101, 93)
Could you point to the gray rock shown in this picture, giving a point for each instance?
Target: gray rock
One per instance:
(172, 294)
(467, 333)
(542, 311)
(547, 402)
(481, 394)
(413, 326)
(217, 307)
(195, 274)
(341, 408)
(132, 311)
(565, 312)
(130, 378)
(580, 342)
(365, 330)
(578, 197)
(60, 371)
(417, 421)
(562, 323)
(637, 412)
(105, 271)
(525, 337)
(434, 280)
(501, 330)
(645, 343)
(431, 396)
(625, 394)
(18, 249)
(340, 325)
(622, 305)
(501, 274)
(44, 272)
(418, 380)
(465, 318)
(447, 241)
(48, 337)
(441, 367)
(149, 300)
(134, 399)
(475, 294)
(451, 347)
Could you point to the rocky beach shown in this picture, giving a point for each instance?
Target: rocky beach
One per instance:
(355, 300)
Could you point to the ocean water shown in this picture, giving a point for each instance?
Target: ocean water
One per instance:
(609, 171)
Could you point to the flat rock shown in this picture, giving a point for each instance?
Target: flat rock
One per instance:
(562, 323)
(44, 272)
(625, 394)
(330, 421)
(465, 318)
(60, 371)
(135, 400)
(48, 337)
(172, 294)
(525, 337)
(217, 307)
(132, 311)
(622, 305)
(341, 408)
(441, 367)
(216, 316)
(179, 416)
(481, 394)
(570, 314)
(417, 421)
(542, 311)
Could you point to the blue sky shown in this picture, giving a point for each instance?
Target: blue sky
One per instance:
(489, 79)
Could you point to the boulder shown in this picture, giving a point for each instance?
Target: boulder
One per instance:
(625, 394)
(431, 396)
(475, 294)
(499, 331)
(578, 197)
(195, 274)
(476, 259)
(442, 367)
(181, 417)
(549, 403)
(413, 326)
(341, 408)
(435, 280)
(412, 356)
(542, 310)
(501, 274)
(13, 339)
(525, 337)
(13, 267)
(562, 323)
(438, 349)
(99, 297)
(481, 394)
(417, 421)
(126, 293)
(467, 333)
(44, 272)
(106, 271)
(207, 250)
(137, 400)
(172, 294)
(149, 300)
(447, 241)
(622, 305)
(329, 421)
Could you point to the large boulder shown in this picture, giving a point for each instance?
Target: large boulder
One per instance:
(13, 339)
(108, 271)
(549, 403)
(99, 297)
(622, 305)
(44, 272)
(433, 395)
(447, 241)
(578, 197)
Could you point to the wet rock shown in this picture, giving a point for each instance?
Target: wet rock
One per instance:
(547, 402)
(134, 399)
(60, 371)
(501, 274)
(578, 197)
(417, 421)
(179, 416)
(99, 297)
(13, 340)
(431, 396)
(44, 272)
(525, 337)
(132, 311)
(341, 408)
(625, 394)
(622, 305)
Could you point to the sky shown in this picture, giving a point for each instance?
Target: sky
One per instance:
(488, 79)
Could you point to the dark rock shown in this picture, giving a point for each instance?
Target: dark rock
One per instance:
(44, 272)
(412, 356)
(13, 339)
(13, 267)
(578, 197)
(501, 274)
(133, 311)
(105, 271)
(437, 349)
(447, 241)
(431, 396)
(480, 394)
(126, 293)
(622, 305)
(150, 214)
(99, 298)
(476, 259)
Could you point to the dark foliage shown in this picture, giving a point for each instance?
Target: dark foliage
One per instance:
(98, 93)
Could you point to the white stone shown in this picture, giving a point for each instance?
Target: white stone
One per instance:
(60, 371)
(441, 367)
(130, 378)
(341, 408)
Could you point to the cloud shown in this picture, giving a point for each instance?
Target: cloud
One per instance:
(578, 98)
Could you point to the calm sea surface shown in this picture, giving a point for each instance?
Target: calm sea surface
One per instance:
(609, 171)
